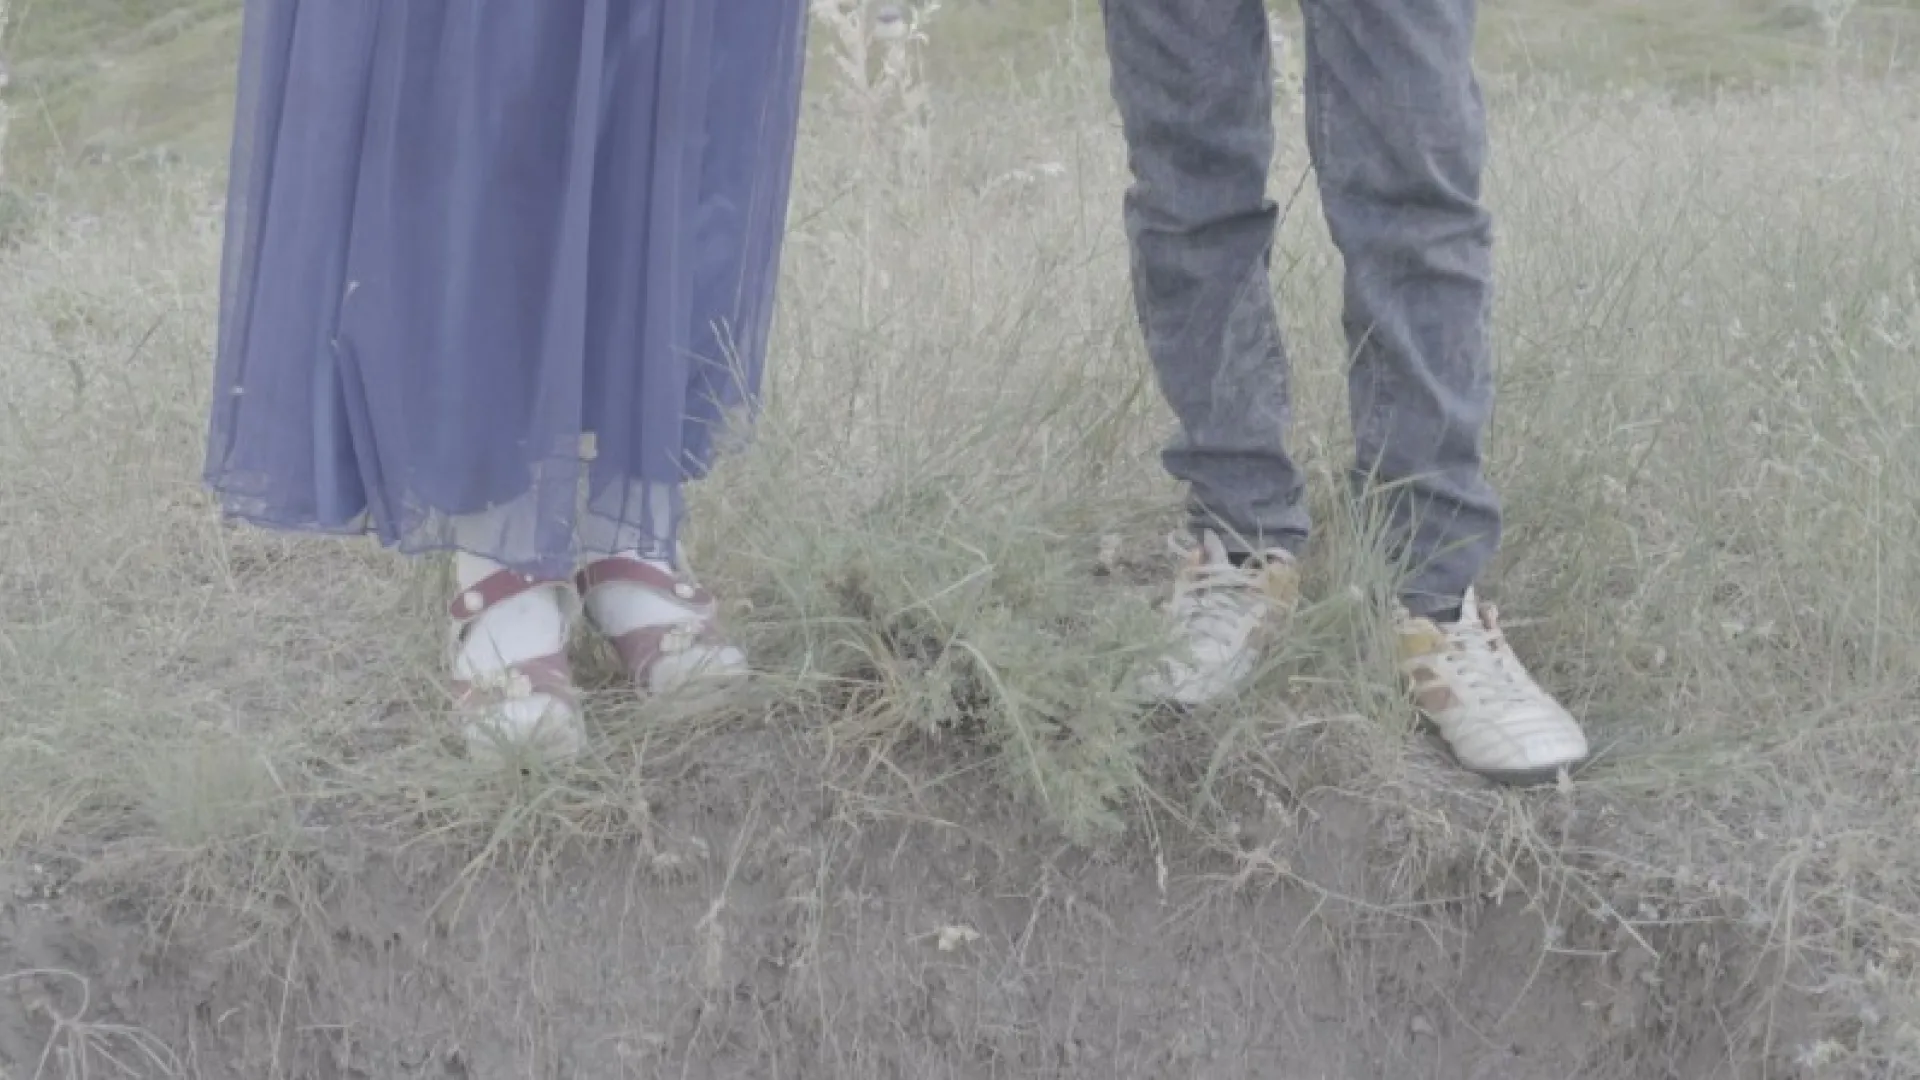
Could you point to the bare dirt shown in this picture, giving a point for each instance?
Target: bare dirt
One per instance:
(760, 920)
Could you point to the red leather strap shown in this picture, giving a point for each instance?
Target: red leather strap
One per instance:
(550, 675)
(634, 572)
(496, 588)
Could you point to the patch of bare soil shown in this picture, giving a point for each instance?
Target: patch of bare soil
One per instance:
(770, 923)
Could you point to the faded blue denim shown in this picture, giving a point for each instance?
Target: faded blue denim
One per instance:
(1397, 133)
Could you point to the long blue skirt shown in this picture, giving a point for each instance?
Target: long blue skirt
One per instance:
(497, 270)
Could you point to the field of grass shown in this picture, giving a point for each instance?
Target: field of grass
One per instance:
(935, 841)
(113, 78)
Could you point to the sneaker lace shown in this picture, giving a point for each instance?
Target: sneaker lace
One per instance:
(1218, 604)
(1486, 665)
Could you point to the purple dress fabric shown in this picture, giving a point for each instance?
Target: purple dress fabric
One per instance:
(496, 269)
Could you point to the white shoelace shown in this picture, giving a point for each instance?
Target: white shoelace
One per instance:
(1220, 603)
(1485, 665)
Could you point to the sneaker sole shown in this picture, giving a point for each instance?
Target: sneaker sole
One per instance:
(1524, 778)
(1542, 776)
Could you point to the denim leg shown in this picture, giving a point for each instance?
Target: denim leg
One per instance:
(1397, 131)
(1193, 82)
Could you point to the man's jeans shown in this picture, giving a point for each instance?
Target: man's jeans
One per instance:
(1397, 133)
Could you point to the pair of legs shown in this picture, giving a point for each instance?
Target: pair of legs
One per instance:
(1397, 133)
(484, 257)
(512, 680)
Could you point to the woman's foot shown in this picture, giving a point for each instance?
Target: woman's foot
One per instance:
(663, 624)
(513, 688)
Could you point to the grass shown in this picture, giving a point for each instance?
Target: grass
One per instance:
(110, 79)
(107, 79)
(941, 545)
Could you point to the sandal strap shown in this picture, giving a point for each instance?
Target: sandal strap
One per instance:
(551, 675)
(642, 649)
(634, 572)
(493, 590)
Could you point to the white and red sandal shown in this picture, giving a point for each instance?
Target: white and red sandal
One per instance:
(525, 707)
(674, 641)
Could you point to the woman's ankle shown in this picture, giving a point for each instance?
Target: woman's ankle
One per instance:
(621, 607)
(524, 627)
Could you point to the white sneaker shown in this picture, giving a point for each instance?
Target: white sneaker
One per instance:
(1499, 722)
(1224, 618)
